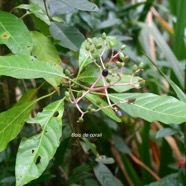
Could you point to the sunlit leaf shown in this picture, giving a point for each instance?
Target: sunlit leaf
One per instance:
(12, 121)
(27, 67)
(14, 34)
(46, 52)
(35, 152)
(152, 107)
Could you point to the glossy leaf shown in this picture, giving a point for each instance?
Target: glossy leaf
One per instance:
(81, 5)
(14, 34)
(152, 107)
(35, 152)
(27, 67)
(108, 111)
(46, 52)
(12, 121)
(84, 58)
(68, 36)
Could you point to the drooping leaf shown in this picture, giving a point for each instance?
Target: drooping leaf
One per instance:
(91, 73)
(108, 111)
(177, 90)
(14, 34)
(104, 176)
(84, 58)
(27, 67)
(35, 152)
(36, 10)
(45, 51)
(152, 107)
(81, 5)
(12, 121)
(68, 36)
(171, 58)
(165, 132)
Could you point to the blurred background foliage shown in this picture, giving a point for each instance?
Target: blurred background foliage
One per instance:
(143, 153)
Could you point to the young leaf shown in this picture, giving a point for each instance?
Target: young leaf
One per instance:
(12, 121)
(108, 111)
(14, 34)
(27, 67)
(152, 107)
(81, 5)
(68, 36)
(35, 152)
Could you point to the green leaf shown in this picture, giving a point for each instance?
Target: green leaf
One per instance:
(171, 58)
(35, 152)
(91, 146)
(44, 49)
(177, 90)
(47, 53)
(104, 176)
(152, 107)
(81, 5)
(108, 111)
(84, 58)
(27, 67)
(91, 73)
(120, 145)
(27, 96)
(104, 160)
(36, 10)
(165, 132)
(179, 45)
(14, 34)
(68, 36)
(12, 121)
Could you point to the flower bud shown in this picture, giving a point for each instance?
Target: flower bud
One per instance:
(141, 65)
(99, 46)
(80, 120)
(104, 36)
(89, 41)
(79, 94)
(126, 59)
(134, 68)
(67, 72)
(111, 44)
(121, 56)
(123, 47)
(118, 64)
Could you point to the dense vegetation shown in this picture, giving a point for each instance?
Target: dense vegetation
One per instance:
(92, 93)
